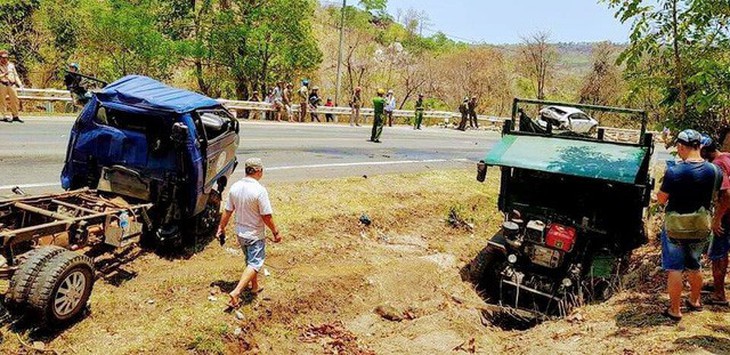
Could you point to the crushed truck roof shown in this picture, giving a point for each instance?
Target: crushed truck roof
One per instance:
(148, 94)
(582, 158)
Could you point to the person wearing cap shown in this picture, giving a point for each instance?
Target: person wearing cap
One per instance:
(314, 101)
(688, 190)
(720, 243)
(356, 104)
(390, 107)
(419, 112)
(303, 99)
(9, 80)
(249, 200)
(472, 106)
(328, 116)
(378, 108)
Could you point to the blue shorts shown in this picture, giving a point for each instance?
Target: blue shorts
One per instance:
(255, 251)
(720, 245)
(680, 255)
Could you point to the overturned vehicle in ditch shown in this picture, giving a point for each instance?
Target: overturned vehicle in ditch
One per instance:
(146, 141)
(573, 209)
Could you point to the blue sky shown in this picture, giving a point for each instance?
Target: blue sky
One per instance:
(505, 21)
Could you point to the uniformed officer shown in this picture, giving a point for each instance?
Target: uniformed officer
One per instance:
(378, 108)
(419, 112)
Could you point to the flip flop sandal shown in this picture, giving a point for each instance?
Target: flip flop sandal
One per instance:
(715, 302)
(671, 316)
(235, 304)
(693, 308)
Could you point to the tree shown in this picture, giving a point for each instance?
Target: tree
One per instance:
(537, 60)
(681, 47)
(603, 85)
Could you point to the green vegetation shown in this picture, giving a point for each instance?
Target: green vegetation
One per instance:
(675, 64)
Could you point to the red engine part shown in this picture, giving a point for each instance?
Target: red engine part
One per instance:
(560, 237)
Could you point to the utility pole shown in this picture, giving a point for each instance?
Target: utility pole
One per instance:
(339, 57)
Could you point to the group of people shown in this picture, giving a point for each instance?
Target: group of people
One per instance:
(283, 98)
(696, 192)
(9, 83)
(468, 110)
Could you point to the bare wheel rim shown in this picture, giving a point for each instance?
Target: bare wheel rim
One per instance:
(69, 293)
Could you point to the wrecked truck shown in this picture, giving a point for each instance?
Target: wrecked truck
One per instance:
(573, 209)
(144, 160)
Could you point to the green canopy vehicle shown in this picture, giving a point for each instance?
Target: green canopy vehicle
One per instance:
(573, 210)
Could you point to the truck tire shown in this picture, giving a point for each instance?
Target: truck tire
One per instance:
(485, 272)
(20, 283)
(62, 289)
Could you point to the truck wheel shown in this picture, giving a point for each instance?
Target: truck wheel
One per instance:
(20, 283)
(62, 290)
(485, 270)
(208, 220)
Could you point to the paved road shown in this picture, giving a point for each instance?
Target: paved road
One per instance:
(32, 154)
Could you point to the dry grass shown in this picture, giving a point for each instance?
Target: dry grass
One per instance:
(330, 273)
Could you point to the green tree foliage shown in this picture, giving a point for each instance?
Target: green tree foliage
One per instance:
(682, 49)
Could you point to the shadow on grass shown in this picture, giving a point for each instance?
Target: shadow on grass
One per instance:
(26, 328)
(724, 329)
(247, 297)
(708, 343)
(641, 312)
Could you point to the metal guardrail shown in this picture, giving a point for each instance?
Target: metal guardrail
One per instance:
(52, 95)
(55, 95)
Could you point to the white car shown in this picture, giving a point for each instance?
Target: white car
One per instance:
(568, 118)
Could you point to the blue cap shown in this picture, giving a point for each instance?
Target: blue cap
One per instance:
(74, 65)
(689, 137)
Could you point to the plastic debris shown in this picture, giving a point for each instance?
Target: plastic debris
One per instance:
(365, 220)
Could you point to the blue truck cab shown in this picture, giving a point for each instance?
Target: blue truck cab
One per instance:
(145, 141)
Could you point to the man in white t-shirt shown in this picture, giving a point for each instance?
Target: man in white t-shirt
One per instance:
(249, 201)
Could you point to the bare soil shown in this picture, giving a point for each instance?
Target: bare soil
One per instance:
(336, 286)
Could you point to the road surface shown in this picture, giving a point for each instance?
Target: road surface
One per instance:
(32, 154)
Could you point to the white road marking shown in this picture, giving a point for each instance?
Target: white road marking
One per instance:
(291, 167)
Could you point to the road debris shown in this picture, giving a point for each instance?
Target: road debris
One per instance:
(467, 346)
(212, 298)
(337, 339)
(266, 272)
(365, 220)
(239, 315)
(389, 313)
(456, 221)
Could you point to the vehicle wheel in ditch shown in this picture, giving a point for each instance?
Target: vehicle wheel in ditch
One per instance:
(208, 220)
(61, 291)
(485, 271)
(20, 284)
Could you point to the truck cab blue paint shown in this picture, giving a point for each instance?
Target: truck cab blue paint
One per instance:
(130, 123)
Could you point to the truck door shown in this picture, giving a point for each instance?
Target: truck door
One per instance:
(221, 142)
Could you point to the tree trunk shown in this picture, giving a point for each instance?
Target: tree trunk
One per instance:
(679, 75)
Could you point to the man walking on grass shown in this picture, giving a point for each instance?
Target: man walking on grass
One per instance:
(378, 107)
(720, 244)
(249, 200)
(688, 191)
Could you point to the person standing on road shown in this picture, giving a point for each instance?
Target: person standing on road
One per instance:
(419, 112)
(356, 104)
(9, 80)
(390, 107)
(378, 108)
(328, 116)
(473, 112)
(688, 191)
(287, 99)
(314, 101)
(249, 200)
(720, 243)
(464, 110)
(303, 99)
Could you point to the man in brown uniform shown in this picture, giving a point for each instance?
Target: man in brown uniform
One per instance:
(9, 80)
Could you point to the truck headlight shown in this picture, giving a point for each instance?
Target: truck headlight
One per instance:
(512, 258)
(567, 282)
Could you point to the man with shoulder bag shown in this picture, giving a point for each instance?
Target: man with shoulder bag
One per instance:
(689, 191)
